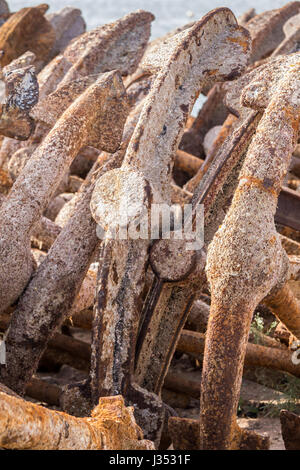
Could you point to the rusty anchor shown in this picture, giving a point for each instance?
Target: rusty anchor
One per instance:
(253, 248)
(35, 190)
(123, 262)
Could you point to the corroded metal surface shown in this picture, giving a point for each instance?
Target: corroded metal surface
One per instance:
(21, 94)
(110, 427)
(266, 34)
(235, 248)
(65, 155)
(180, 78)
(71, 253)
(163, 300)
(41, 175)
(67, 24)
(27, 30)
(185, 436)
(88, 55)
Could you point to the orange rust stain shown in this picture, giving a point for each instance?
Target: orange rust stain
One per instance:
(212, 72)
(248, 181)
(5, 181)
(241, 42)
(226, 129)
(293, 117)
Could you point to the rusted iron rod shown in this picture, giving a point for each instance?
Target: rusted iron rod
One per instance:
(24, 425)
(43, 391)
(286, 307)
(256, 355)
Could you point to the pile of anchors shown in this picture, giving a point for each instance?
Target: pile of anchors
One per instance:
(93, 123)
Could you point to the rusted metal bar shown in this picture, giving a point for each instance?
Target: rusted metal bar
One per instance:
(228, 127)
(43, 391)
(89, 55)
(112, 426)
(46, 232)
(292, 37)
(181, 382)
(186, 162)
(53, 359)
(236, 292)
(245, 17)
(74, 247)
(5, 183)
(290, 246)
(286, 307)
(269, 24)
(8, 391)
(212, 113)
(256, 355)
(295, 165)
(198, 321)
(81, 319)
(76, 347)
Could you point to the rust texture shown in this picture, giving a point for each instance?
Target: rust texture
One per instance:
(290, 428)
(176, 300)
(185, 436)
(111, 426)
(256, 355)
(67, 23)
(22, 92)
(266, 34)
(122, 337)
(235, 293)
(36, 184)
(56, 284)
(90, 53)
(27, 30)
(180, 77)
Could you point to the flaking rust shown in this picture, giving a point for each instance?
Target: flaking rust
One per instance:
(111, 426)
(27, 30)
(21, 94)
